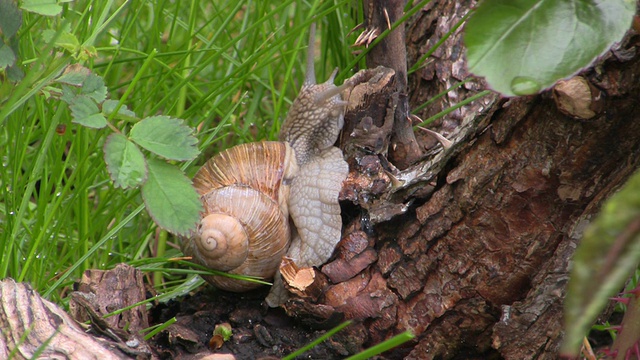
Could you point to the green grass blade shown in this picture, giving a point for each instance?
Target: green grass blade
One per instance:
(322, 338)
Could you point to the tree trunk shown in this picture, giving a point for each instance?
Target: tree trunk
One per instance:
(469, 249)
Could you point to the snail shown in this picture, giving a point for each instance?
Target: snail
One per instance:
(271, 199)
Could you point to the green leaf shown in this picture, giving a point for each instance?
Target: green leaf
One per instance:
(42, 7)
(93, 86)
(170, 198)
(10, 18)
(68, 41)
(69, 94)
(125, 162)
(15, 73)
(524, 46)
(123, 113)
(7, 57)
(165, 136)
(85, 112)
(74, 75)
(604, 260)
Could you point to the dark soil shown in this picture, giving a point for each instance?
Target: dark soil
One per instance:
(259, 332)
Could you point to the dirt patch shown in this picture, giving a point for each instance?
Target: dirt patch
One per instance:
(259, 332)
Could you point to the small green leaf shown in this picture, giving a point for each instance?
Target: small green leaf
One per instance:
(224, 330)
(68, 41)
(604, 260)
(123, 113)
(85, 112)
(165, 136)
(42, 7)
(170, 198)
(7, 57)
(10, 18)
(74, 75)
(93, 86)
(524, 46)
(69, 94)
(125, 162)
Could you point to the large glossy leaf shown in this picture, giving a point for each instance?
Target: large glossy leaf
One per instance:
(170, 198)
(165, 136)
(524, 46)
(125, 162)
(604, 260)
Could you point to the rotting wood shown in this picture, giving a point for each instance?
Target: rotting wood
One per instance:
(31, 324)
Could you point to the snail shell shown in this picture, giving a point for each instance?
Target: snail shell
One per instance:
(250, 190)
(245, 228)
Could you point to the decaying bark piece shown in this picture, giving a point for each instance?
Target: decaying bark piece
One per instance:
(111, 290)
(101, 292)
(28, 322)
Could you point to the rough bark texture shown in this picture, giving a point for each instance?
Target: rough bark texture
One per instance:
(32, 325)
(479, 268)
(475, 260)
(391, 53)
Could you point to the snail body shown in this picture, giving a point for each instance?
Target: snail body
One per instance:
(251, 192)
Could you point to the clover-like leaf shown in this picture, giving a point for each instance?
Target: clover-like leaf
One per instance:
(170, 198)
(165, 136)
(524, 46)
(85, 112)
(74, 75)
(93, 86)
(125, 162)
(123, 113)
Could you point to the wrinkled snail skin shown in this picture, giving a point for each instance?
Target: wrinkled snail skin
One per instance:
(250, 191)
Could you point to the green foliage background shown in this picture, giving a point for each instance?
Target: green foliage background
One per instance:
(230, 69)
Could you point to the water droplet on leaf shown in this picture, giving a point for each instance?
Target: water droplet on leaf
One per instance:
(524, 85)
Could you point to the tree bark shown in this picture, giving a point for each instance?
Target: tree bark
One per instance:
(34, 326)
(391, 53)
(470, 248)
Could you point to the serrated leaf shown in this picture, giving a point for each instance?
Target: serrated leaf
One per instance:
(10, 18)
(93, 86)
(524, 46)
(74, 75)
(85, 112)
(47, 35)
(125, 162)
(604, 260)
(165, 136)
(170, 198)
(42, 7)
(7, 57)
(68, 41)
(123, 113)
(69, 94)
